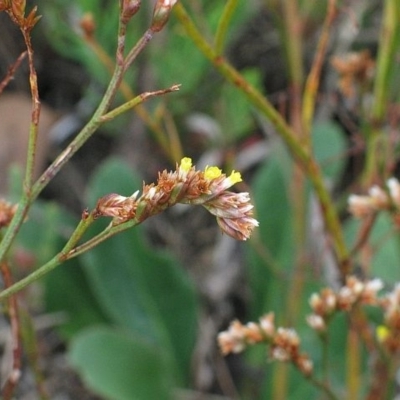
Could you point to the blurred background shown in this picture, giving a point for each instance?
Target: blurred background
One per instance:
(138, 317)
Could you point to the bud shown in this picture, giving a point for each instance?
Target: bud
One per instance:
(7, 211)
(305, 365)
(382, 333)
(129, 9)
(360, 206)
(88, 25)
(161, 13)
(316, 322)
(114, 205)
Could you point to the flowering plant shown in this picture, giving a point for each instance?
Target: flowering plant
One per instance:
(130, 306)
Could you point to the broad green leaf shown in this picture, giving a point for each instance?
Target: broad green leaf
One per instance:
(139, 287)
(274, 212)
(121, 366)
(67, 291)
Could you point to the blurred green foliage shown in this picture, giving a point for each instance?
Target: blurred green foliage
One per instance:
(131, 310)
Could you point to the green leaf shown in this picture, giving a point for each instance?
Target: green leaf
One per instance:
(384, 244)
(121, 366)
(67, 291)
(141, 288)
(274, 213)
(236, 118)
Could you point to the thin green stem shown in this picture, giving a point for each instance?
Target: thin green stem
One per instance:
(313, 78)
(31, 192)
(83, 135)
(293, 41)
(25, 201)
(385, 65)
(34, 125)
(71, 250)
(141, 98)
(235, 78)
(110, 231)
(382, 88)
(62, 256)
(137, 49)
(223, 25)
(34, 276)
(300, 154)
(293, 44)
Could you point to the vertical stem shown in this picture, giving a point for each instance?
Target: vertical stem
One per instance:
(313, 79)
(24, 203)
(382, 87)
(387, 45)
(353, 364)
(293, 42)
(280, 381)
(223, 25)
(33, 130)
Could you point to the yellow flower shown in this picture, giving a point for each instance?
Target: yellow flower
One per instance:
(211, 173)
(382, 332)
(235, 177)
(186, 164)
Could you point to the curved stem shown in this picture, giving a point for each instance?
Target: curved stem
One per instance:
(62, 256)
(299, 153)
(224, 24)
(30, 195)
(141, 98)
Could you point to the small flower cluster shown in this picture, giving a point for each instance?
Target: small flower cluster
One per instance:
(377, 199)
(389, 333)
(284, 343)
(327, 302)
(7, 211)
(188, 186)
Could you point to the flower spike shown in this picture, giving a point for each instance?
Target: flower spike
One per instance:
(186, 185)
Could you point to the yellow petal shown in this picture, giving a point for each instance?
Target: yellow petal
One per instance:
(235, 177)
(186, 164)
(211, 173)
(382, 332)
